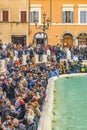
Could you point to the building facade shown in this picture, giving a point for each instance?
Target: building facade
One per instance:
(14, 21)
(68, 22)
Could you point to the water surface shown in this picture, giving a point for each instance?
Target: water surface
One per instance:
(70, 104)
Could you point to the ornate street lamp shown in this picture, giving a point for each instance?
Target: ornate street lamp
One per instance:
(45, 25)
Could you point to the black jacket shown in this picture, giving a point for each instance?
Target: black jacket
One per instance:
(31, 126)
(5, 111)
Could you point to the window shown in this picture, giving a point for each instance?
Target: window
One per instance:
(83, 16)
(68, 13)
(23, 16)
(82, 40)
(82, 13)
(67, 17)
(34, 15)
(5, 16)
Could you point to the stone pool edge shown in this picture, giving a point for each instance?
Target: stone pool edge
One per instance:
(45, 122)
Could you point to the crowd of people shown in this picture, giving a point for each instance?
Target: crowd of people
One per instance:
(23, 87)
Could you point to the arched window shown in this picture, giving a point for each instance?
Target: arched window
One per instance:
(40, 38)
(82, 40)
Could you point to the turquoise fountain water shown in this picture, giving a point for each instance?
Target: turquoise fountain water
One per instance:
(70, 104)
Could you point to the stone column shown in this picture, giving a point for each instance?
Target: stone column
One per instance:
(3, 65)
(68, 54)
(36, 58)
(24, 59)
(76, 42)
(44, 58)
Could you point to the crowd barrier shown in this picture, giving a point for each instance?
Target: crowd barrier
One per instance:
(3, 65)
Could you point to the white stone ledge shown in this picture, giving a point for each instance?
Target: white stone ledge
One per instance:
(46, 116)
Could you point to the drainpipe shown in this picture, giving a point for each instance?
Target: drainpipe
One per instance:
(50, 12)
(28, 19)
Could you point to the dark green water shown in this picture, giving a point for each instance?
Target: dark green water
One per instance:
(70, 104)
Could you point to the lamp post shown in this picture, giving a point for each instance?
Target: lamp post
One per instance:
(45, 25)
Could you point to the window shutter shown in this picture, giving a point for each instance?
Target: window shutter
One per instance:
(86, 16)
(37, 15)
(71, 17)
(23, 16)
(31, 17)
(63, 16)
(5, 16)
(82, 16)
